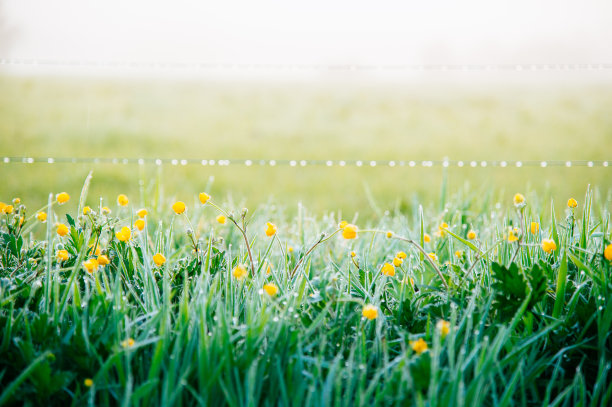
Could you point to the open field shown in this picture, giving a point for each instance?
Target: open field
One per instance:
(194, 119)
(480, 304)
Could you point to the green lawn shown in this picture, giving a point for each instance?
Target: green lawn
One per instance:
(150, 118)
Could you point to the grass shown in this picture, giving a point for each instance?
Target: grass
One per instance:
(488, 322)
(85, 117)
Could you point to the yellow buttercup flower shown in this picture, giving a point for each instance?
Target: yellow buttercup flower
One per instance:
(122, 200)
(128, 343)
(349, 231)
(204, 197)
(353, 254)
(572, 203)
(512, 237)
(41, 216)
(389, 234)
(459, 254)
(179, 207)
(8, 209)
(2, 206)
(471, 235)
(608, 252)
(124, 234)
(443, 327)
(16, 201)
(397, 262)
(159, 259)
(433, 256)
(62, 198)
(62, 229)
(221, 219)
(401, 255)
(270, 229)
(388, 269)
(91, 265)
(426, 238)
(519, 199)
(370, 312)
(442, 228)
(239, 272)
(534, 228)
(342, 224)
(86, 210)
(271, 289)
(62, 255)
(106, 210)
(548, 245)
(139, 223)
(97, 251)
(418, 346)
(88, 382)
(103, 260)
(142, 213)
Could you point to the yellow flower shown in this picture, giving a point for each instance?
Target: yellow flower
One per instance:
(608, 252)
(419, 346)
(426, 238)
(271, 289)
(535, 227)
(159, 259)
(221, 219)
(401, 255)
(290, 249)
(442, 228)
(128, 343)
(512, 237)
(239, 272)
(106, 210)
(122, 200)
(519, 199)
(88, 382)
(353, 254)
(62, 255)
(16, 201)
(443, 327)
(179, 207)
(103, 260)
(90, 265)
(572, 203)
(62, 198)
(342, 224)
(8, 209)
(388, 269)
(397, 262)
(97, 251)
(370, 312)
(548, 245)
(86, 210)
(270, 229)
(124, 234)
(471, 235)
(204, 197)
(142, 213)
(389, 234)
(459, 254)
(268, 268)
(433, 256)
(62, 229)
(139, 223)
(2, 206)
(349, 231)
(41, 216)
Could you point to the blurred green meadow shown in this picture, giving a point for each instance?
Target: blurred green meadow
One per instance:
(195, 119)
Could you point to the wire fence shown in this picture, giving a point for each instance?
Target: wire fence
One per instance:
(305, 163)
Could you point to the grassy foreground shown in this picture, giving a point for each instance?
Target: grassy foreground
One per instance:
(478, 304)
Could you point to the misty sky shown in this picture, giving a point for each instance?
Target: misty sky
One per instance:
(312, 32)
